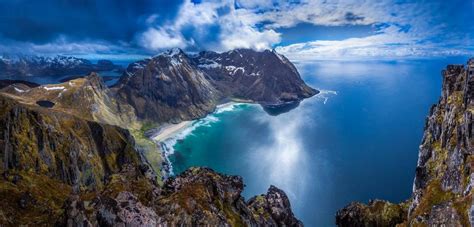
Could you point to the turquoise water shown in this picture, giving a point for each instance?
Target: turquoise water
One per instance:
(356, 141)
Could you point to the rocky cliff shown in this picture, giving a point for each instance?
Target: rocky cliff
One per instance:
(265, 77)
(48, 155)
(166, 88)
(444, 179)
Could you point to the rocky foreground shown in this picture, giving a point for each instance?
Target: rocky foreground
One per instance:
(75, 153)
(443, 185)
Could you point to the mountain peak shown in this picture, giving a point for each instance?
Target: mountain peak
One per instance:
(173, 52)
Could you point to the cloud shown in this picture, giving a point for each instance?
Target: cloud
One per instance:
(390, 43)
(230, 30)
(44, 21)
(159, 38)
(400, 27)
(64, 46)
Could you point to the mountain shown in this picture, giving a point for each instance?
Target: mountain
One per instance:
(88, 98)
(51, 66)
(167, 87)
(174, 86)
(6, 83)
(266, 77)
(444, 178)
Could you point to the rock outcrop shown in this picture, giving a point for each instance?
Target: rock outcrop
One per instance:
(375, 213)
(443, 185)
(51, 66)
(167, 88)
(266, 77)
(86, 97)
(197, 197)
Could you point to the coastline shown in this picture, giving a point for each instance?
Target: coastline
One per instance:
(167, 135)
(167, 131)
(170, 130)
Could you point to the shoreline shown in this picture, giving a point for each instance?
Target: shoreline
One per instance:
(170, 130)
(167, 134)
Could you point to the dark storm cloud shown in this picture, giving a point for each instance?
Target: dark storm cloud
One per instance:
(351, 17)
(111, 20)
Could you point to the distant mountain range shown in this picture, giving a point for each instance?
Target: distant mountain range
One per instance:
(52, 66)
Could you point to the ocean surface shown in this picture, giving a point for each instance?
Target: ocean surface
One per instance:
(357, 140)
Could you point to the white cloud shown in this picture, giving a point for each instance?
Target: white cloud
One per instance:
(254, 24)
(234, 32)
(389, 44)
(238, 34)
(61, 45)
(159, 38)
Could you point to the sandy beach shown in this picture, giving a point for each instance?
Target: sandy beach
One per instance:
(170, 130)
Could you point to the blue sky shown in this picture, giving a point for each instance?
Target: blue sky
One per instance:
(302, 30)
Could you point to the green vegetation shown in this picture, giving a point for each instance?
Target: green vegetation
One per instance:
(33, 199)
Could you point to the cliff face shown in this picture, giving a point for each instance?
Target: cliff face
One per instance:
(48, 155)
(167, 87)
(265, 77)
(72, 150)
(443, 185)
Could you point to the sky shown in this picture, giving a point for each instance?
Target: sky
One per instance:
(300, 29)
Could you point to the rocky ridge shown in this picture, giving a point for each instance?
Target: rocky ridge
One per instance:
(86, 97)
(167, 88)
(443, 185)
(266, 77)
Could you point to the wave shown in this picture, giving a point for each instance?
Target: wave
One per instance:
(324, 95)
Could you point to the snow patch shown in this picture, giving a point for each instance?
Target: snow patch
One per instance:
(233, 70)
(255, 74)
(54, 88)
(210, 65)
(18, 90)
